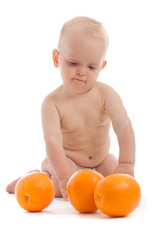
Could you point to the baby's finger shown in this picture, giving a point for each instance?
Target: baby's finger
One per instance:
(64, 195)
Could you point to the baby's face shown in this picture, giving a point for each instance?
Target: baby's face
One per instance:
(80, 61)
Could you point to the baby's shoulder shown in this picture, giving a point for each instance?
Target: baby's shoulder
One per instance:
(53, 97)
(108, 94)
(105, 89)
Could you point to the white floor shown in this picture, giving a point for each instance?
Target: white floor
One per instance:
(61, 221)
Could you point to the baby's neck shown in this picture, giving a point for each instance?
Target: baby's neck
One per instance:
(69, 94)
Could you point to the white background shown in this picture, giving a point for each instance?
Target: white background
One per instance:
(29, 30)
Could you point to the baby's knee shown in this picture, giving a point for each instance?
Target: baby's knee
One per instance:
(111, 162)
(108, 165)
(111, 159)
(44, 165)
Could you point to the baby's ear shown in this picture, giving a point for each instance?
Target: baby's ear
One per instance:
(55, 55)
(104, 64)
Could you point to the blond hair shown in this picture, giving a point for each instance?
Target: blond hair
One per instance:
(88, 26)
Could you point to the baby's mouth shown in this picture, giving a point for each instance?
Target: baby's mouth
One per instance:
(79, 80)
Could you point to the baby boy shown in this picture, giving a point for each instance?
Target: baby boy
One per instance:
(76, 116)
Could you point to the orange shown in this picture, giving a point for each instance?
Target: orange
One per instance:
(34, 192)
(80, 189)
(117, 195)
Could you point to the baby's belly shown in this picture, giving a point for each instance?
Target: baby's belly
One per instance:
(88, 155)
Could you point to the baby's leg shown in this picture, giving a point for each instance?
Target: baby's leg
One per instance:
(108, 165)
(11, 187)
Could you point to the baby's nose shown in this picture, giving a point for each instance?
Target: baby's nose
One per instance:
(81, 72)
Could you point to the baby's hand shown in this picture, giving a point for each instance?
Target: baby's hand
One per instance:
(126, 168)
(63, 187)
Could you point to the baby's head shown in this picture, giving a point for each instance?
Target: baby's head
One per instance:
(88, 27)
(81, 50)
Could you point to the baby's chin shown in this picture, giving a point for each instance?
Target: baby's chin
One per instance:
(78, 87)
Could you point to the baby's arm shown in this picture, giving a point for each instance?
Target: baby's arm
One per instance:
(54, 145)
(124, 131)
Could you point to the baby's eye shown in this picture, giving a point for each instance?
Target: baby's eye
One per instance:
(73, 63)
(92, 68)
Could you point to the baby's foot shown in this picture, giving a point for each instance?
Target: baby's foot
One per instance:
(11, 187)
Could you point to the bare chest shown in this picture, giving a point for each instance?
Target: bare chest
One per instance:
(81, 115)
